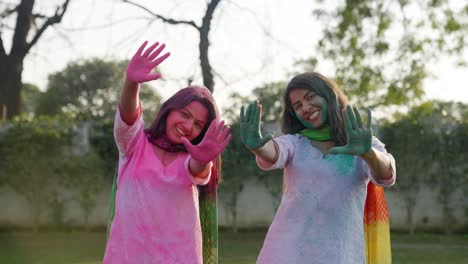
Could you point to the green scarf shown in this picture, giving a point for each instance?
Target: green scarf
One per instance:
(321, 134)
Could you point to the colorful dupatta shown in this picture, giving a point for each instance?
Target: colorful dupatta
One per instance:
(377, 226)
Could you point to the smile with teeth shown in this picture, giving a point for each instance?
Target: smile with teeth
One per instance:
(180, 132)
(314, 115)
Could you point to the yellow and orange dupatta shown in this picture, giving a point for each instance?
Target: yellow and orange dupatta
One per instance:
(377, 226)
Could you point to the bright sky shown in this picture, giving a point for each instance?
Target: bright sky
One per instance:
(240, 51)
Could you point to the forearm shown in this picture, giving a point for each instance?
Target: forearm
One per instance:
(268, 152)
(130, 102)
(198, 169)
(379, 164)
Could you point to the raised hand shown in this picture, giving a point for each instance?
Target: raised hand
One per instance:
(251, 135)
(144, 61)
(216, 138)
(359, 136)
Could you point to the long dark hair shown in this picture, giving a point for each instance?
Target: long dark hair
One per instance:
(324, 87)
(183, 97)
(177, 101)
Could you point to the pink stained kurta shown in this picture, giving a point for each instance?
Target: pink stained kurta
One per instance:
(156, 212)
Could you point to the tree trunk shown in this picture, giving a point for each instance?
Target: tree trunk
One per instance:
(208, 79)
(10, 88)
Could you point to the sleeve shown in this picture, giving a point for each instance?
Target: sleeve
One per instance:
(127, 137)
(379, 146)
(285, 147)
(195, 180)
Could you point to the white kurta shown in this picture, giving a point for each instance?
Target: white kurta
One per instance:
(320, 218)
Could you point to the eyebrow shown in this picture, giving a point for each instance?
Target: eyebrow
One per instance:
(303, 97)
(196, 120)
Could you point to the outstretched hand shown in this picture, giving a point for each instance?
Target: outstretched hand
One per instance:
(359, 136)
(251, 135)
(216, 138)
(144, 61)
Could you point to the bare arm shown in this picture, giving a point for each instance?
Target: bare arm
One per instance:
(268, 152)
(199, 169)
(130, 102)
(380, 166)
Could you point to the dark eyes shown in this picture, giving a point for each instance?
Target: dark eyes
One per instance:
(184, 114)
(198, 125)
(310, 97)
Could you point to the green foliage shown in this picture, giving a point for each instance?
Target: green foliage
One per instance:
(102, 142)
(271, 98)
(31, 152)
(380, 49)
(30, 94)
(269, 95)
(237, 160)
(429, 145)
(90, 89)
(238, 166)
(84, 174)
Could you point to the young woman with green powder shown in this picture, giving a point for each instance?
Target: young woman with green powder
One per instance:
(329, 157)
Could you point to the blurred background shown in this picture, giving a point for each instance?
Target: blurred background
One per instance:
(62, 63)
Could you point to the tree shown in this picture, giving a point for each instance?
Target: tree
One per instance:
(23, 39)
(25, 167)
(84, 175)
(203, 31)
(449, 171)
(30, 94)
(404, 138)
(238, 167)
(380, 50)
(90, 89)
(440, 164)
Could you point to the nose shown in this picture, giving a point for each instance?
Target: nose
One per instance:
(187, 126)
(305, 107)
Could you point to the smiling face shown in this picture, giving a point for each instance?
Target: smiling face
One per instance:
(187, 121)
(310, 108)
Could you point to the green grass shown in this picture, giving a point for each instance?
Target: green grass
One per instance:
(234, 248)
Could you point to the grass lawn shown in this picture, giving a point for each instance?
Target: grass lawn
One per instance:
(239, 248)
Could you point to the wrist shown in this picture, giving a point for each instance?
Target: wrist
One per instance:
(130, 83)
(370, 154)
(198, 168)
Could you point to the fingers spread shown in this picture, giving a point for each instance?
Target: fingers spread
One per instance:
(358, 118)
(222, 136)
(351, 116)
(369, 118)
(141, 48)
(186, 143)
(248, 113)
(160, 59)
(258, 113)
(348, 125)
(151, 77)
(242, 115)
(150, 49)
